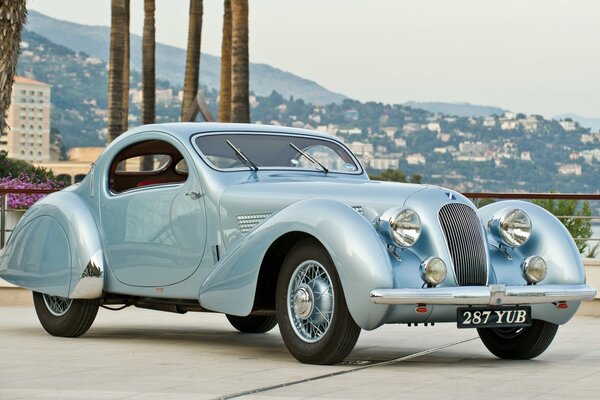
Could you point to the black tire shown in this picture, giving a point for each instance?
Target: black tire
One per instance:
(340, 333)
(253, 323)
(519, 343)
(73, 320)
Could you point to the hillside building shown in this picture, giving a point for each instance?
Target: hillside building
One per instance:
(28, 119)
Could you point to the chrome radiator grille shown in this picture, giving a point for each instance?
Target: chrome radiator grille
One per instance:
(464, 235)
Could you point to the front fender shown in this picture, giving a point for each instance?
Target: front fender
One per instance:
(354, 246)
(55, 249)
(549, 239)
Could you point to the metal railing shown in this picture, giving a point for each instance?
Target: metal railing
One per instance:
(4, 192)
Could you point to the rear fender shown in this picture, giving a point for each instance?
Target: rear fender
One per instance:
(55, 249)
(354, 246)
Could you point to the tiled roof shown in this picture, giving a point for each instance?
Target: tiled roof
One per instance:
(21, 79)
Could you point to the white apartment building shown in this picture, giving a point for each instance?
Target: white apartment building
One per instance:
(28, 137)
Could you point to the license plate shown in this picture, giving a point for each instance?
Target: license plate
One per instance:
(493, 317)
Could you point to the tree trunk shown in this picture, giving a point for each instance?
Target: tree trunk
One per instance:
(192, 62)
(13, 15)
(225, 91)
(125, 113)
(240, 107)
(148, 65)
(115, 70)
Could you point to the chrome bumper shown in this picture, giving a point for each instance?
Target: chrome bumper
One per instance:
(485, 295)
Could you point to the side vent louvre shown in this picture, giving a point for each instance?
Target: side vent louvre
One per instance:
(247, 222)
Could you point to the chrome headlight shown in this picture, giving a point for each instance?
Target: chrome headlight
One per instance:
(433, 271)
(511, 226)
(534, 269)
(402, 225)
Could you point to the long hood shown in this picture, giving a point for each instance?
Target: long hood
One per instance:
(243, 206)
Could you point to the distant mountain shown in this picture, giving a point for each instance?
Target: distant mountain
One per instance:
(456, 109)
(170, 61)
(592, 123)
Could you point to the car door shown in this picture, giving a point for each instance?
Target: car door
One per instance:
(152, 215)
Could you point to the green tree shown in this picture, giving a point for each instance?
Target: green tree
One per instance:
(395, 175)
(569, 213)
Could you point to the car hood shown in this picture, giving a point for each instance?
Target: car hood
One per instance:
(243, 206)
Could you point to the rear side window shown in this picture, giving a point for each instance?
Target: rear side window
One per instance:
(147, 164)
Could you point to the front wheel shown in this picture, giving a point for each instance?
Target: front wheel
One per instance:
(314, 320)
(519, 343)
(61, 316)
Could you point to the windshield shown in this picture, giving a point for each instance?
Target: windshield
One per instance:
(275, 151)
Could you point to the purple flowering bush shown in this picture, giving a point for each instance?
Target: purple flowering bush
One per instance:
(25, 181)
(18, 174)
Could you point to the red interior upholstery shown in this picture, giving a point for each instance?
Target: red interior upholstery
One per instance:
(152, 182)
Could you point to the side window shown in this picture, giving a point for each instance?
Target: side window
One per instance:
(145, 164)
(148, 163)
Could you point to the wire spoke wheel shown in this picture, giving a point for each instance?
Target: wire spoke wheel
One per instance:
(61, 316)
(58, 306)
(310, 301)
(314, 320)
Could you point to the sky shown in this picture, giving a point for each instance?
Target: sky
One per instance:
(533, 56)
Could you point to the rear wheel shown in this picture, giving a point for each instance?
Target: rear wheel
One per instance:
(253, 323)
(61, 316)
(314, 320)
(519, 343)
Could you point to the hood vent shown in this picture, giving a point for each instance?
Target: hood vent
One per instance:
(247, 222)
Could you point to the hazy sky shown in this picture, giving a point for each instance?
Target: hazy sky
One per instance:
(536, 56)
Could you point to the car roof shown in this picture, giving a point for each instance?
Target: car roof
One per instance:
(183, 130)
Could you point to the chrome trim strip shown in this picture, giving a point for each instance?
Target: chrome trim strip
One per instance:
(485, 295)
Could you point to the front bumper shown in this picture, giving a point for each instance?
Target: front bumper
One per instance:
(494, 295)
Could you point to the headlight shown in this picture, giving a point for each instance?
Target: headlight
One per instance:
(534, 269)
(511, 226)
(402, 225)
(433, 270)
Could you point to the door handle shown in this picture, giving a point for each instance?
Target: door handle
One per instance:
(194, 194)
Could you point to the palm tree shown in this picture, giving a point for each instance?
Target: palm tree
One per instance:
(240, 107)
(225, 91)
(13, 15)
(148, 65)
(192, 62)
(125, 113)
(115, 70)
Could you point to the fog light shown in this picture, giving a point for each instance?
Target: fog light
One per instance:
(433, 270)
(534, 269)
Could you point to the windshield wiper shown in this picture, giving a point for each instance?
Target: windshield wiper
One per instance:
(309, 157)
(247, 162)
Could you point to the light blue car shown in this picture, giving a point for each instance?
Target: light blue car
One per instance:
(277, 225)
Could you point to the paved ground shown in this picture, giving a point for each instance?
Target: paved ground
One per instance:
(142, 354)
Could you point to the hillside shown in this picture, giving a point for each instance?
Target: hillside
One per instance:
(456, 109)
(507, 152)
(170, 61)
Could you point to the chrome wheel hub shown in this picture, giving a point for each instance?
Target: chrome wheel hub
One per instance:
(58, 306)
(303, 302)
(310, 301)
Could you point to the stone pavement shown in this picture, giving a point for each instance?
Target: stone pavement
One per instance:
(143, 354)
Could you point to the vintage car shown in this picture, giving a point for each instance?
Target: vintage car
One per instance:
(277, 225)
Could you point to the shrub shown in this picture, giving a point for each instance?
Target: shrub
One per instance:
(18, 174)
